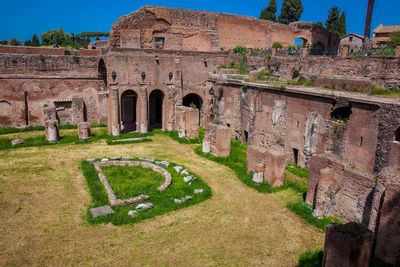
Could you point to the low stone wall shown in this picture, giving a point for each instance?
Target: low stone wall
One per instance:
(187, 121)
(219, 139)
(7, 49)
(90, 52)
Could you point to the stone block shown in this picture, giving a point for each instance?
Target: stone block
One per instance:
(187, 121)
(255, 158)
(52, 132)
(15, 142)
(84, 131)
(49, 113)
(317, 163)
(219, 137)
(258, 177)
(101, 211)
(388, 238)
(275, 163)
(347, 245)
(206, 148)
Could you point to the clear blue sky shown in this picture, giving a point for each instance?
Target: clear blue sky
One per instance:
(23, 18)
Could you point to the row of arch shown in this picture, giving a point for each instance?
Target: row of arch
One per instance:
(155, 108)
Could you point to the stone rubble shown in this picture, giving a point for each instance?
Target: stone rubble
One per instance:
(17, 142)
(178, 169)
(105, 160)
(91, 160)
(258, 178)
(186, 198)
(101, 211)
(184, 172)
(127, 158)
(188, 178)
(150, 160)
(177, 201)
(133, 213)
(144, 206)
(115, 158)
(164, 163)
(198, 191)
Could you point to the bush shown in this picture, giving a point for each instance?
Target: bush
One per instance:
(239, 50)
(277, 45)
(311, 259)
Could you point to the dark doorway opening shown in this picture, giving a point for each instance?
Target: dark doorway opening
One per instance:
(246, 136)
(193, 100)
(128, 111)
(341, 114)
(296, 156)
(102, 71)
(156, 99)
(397, 135)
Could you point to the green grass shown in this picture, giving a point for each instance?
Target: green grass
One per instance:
(110, 138)
(314, 258)
(305, 212)
(297, 170)
(125, 181)
(175, 136)
(68, 138)
(237, 162)
(9, 130)
(311, 258)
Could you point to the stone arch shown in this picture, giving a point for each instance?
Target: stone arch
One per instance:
(302, 38)
(156, 108)
(193, 99)
(102, 71)
(128, 111)
(397, 135)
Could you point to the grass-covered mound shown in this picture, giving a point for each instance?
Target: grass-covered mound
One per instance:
(128, 182)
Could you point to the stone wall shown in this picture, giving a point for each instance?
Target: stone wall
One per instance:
(29, 82)
(8, 49)
(193, 30)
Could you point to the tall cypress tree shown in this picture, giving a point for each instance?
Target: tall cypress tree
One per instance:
(35, 40)
(269, 12)
(291, 11)
(336, 22)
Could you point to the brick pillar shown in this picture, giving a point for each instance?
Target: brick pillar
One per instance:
(144, 123)
(52, 133)
(115, 125)
(49, 113)
(274, 171)
(345, 51)
(347, 245)
(84, 131)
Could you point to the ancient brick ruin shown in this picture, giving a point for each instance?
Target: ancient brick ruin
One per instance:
(161, 72)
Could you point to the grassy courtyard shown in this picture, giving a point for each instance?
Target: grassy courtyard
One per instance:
(44, 199)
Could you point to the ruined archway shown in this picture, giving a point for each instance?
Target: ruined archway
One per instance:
(300, 42)
(156, 99)
(193, 100)
(128, 111)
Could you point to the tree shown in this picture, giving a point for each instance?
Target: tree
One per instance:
(319, 23)
(291, 11)
(268, 13)
(14, 41)
(368, 18)
(57, 36)
(35, 40)
(395, 38)
(336, 22)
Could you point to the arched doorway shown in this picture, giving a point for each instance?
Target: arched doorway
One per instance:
(300, 42)
(128, 111)
(156, 99)
(193, 100)
(102, 71)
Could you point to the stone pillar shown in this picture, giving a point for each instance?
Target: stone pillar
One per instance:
(274, 51)
(78, 110)
(52, 133)
(115, 125)
(324, 194)
(219, 138)
(84, 131)
(255, 161)
(345, 51)
(347, 245)
(144, 123)
(397, 51)
(275, 164)
(187, 121)
(206, 148)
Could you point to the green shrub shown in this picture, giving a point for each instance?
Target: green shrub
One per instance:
(239, 50)
(277, 45)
